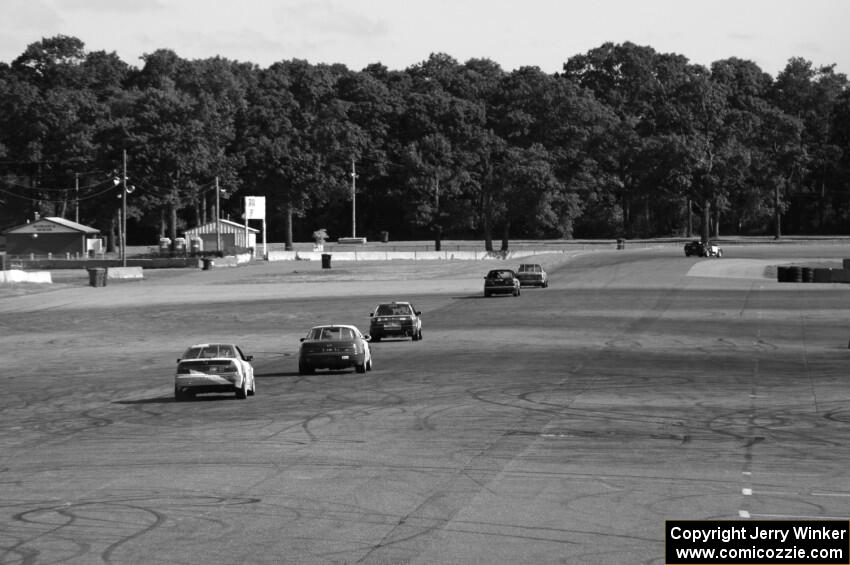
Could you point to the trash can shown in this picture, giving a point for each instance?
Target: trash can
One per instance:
(164, 246)
(195, 245)
(180, 246)
(326, 260)
(97, 276)
(209, 263)
(621, 243)
(385, 236)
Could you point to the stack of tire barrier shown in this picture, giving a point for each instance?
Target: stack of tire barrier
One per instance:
(796, 274)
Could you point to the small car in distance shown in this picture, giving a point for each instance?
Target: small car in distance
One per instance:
(395, 319)
(703, 249)
(214, 367)
(532, 274)
(334, 347)
(695, 247)
(501, 281)
(713, 250)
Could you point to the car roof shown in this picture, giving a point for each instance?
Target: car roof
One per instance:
(393, 302)
(501, 270)
(212, 345)
(334, 326)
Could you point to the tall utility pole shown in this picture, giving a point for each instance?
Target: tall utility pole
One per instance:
(353, 200)
(77, 197)
(217, 217)
(124, 212)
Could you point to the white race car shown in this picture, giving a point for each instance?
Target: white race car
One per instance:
(214, 367)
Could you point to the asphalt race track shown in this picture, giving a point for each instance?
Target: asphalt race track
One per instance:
(562, 426)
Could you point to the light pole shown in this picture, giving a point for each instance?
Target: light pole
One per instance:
(353, 200)
(77, 197)
(125, 190)
(218, 192)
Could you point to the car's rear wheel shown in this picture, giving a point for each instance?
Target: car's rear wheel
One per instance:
(486, 294)
(369, 364)
(415, 336)
(360, 368)
(179, 395)
(376, 338)
(242, 392)
(305, 369)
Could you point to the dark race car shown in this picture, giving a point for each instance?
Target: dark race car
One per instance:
(695, 247)
(395, 319)
(501, 281)
(334, 347)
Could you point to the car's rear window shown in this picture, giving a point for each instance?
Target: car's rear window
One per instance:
(529, 268)
(330, 334)
(393, 310)
(499, 275)
(210, 352)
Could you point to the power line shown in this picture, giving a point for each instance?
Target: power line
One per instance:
(51, 189)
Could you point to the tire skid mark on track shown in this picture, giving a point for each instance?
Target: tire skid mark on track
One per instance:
(123, 519)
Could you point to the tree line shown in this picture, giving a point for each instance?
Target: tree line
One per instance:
(624, 142)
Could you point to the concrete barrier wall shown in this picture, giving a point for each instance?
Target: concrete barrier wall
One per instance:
(153, 263)
(16, 276)
(408, 255)
(228, 260)
(124, 273)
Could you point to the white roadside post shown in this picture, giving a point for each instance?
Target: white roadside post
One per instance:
(255, 209)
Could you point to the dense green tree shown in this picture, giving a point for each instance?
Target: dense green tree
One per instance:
(297, 141)
(625, 141)
(810, 95)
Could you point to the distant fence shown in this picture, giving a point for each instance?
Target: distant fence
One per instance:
(44, 263)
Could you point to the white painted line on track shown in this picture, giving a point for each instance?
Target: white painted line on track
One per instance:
(799, 517)
(750, 492)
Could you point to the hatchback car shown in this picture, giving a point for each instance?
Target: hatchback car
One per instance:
(395, 319)
(501, 281)
(532, 274)
(214, 367)
(334, 347)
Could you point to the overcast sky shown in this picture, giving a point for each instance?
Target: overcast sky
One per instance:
(401, 33)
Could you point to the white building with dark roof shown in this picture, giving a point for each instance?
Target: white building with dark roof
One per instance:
(233, 236)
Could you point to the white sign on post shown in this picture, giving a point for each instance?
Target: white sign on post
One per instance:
(255, 209)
